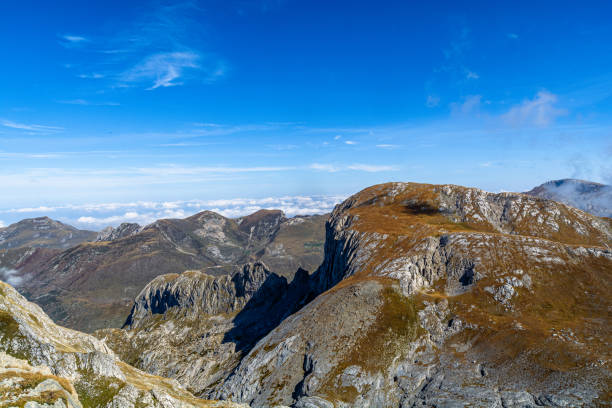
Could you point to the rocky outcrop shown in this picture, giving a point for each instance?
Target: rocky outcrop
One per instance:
(126, 229)
(195, 327)
(594, 198)
(444, 296)
(42, 232)
(20, 383)
(43, 364)
(262, 224)
(197, 293)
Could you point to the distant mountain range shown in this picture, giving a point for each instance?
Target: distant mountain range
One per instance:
(92, 285)
(588, 196)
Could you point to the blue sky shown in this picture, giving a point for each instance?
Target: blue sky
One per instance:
(113, 111)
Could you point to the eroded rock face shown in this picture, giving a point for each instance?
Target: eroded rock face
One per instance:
(42, 364)
(195, 327)
(444, 296)
(196, 293)
(125, 229)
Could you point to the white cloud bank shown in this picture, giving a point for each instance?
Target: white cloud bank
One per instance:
(97, 216)
(11, 277)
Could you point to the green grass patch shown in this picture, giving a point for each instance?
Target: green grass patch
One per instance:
(396, 325)
(96, 392)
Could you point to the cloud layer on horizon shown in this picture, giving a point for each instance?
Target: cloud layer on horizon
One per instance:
(98, 216)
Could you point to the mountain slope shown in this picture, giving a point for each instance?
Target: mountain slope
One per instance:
(42, 232)
(43, 363)
(92, 285)
(195, 327)
(591, 197)
(427, 296)
(445, 295)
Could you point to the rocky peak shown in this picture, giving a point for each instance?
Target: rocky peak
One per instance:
(594, 198)
(125, 229)
(205, 217)
(195, 292)
(261, 225)
(217, 319)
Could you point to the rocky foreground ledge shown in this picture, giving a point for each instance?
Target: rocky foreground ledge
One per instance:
(45, 365)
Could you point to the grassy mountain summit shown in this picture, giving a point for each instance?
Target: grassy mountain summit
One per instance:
(42, 232)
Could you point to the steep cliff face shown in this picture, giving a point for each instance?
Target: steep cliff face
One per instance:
(45, 364)
(261, 225)
(126, 229)
(195, 293)
(195, 327)
(92, 285)
(444, 295)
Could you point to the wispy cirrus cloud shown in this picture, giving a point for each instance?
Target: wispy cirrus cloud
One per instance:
(369, 168)
(93, 75)
(30, 127)
(71, 40)
(324, 167)
(85, 102)
(19, 155)
(130, 178)
(74, 38)
(471, 104)
(160, 49)
(165, 69)
(539, 111)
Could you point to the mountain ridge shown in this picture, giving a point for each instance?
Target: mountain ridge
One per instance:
(93, 284)
(422, 288)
